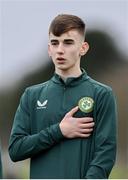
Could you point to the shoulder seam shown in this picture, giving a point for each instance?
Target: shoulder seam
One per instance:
(92, 81)
(37, 85)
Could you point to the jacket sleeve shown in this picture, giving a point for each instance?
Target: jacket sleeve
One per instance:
(104, 137)
(22, 143)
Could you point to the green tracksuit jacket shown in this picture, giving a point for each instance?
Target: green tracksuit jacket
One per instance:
(36, 133)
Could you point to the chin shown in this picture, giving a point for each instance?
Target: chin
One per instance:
(63, 68)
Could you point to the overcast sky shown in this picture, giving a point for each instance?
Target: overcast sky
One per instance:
(24, 30)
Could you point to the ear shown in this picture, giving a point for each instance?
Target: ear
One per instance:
(84, 48)
(49, 50)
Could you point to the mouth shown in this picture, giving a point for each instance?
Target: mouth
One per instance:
(60, 60)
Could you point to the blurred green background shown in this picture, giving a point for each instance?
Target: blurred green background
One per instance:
(105, 62)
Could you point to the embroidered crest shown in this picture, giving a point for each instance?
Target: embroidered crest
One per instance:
(86, 104)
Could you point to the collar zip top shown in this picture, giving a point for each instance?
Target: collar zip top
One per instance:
(71, 81)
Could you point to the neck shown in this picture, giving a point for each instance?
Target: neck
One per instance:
(68, 73)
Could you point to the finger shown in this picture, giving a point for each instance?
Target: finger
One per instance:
(85, 119)
(86, 125)
(86, 131)
(81, 135)
(72, 111)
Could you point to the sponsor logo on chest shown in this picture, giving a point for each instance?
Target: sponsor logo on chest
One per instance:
(42, 105)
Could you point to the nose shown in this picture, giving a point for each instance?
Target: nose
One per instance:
(60, 49)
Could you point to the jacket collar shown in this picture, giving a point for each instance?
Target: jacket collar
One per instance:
(71, 81)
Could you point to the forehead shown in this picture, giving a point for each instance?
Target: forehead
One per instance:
(72, 34)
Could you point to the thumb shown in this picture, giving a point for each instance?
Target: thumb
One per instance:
(72, 111)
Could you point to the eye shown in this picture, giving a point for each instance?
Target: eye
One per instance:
(54, 43)
(69, 42)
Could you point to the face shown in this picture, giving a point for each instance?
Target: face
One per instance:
(66, 50)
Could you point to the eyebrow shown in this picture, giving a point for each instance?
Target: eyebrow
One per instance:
(68, 40)
(53, 40)
(65, 40)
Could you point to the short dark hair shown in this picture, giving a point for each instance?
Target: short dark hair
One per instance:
(66, 22)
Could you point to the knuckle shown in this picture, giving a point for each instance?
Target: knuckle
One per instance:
(67, 114)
